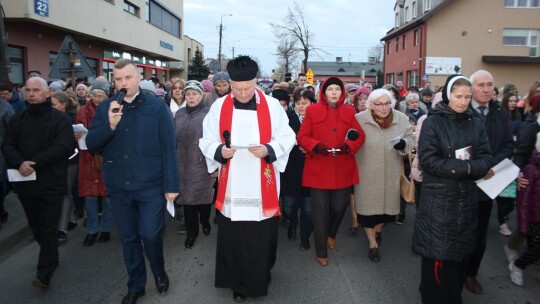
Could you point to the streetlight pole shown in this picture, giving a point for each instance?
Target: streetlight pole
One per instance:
(233, 47)
(220, 36)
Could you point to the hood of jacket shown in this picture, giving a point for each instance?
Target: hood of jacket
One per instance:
(322, 97)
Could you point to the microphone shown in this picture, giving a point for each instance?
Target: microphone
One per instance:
(227, 136)
(120, 99)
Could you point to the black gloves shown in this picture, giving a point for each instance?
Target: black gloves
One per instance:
(344, 148)
(322, 149)
(352, 134)
(400, 145)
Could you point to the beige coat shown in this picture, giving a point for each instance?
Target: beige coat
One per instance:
(379, 165)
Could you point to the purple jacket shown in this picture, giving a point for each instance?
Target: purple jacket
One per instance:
(528, 200)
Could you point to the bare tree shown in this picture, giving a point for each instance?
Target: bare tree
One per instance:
(294, 29)
(376, 52)
(287, 53)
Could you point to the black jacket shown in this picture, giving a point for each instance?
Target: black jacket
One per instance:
(526, 140)
(446, 218)
(291, 178)
(43, 135)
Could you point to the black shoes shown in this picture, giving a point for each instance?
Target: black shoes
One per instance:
(42, 280)
(304, 243)
(71, 225)
(131, 297)
(238, 297)
(104, 237)
(291, 232)
(374, 255)
(206, 229)
(162, 284)
(189, 242)
(378, 238)
(62, 236)
(89, 239)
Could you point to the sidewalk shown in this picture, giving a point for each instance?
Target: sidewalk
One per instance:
(16, 228)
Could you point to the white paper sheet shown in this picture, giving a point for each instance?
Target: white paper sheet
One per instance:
(79, 128)
(15, 176)
(505, 173)
(170, 208)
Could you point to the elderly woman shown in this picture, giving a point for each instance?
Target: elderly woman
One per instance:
(195, 182)
(330, 135)
(446, 221)
(413, 111)
(389, 136)
(221, 88)
(91, 184)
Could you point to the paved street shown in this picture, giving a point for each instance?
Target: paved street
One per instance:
(97, 274)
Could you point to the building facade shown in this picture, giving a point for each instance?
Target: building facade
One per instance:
(348, 72)
(148, 32)
(432, 39)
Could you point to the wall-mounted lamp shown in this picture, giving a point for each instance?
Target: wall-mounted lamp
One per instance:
(490, 30)
(464, 33)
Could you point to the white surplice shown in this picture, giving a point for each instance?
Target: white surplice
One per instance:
(243, 195)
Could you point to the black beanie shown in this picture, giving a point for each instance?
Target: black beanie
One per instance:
(242, 68)
(281, 94)
(332, 80)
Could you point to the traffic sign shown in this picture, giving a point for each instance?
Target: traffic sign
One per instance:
(70, 62)
(309, 76)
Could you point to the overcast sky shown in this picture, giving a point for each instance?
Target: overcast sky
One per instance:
(342, 28)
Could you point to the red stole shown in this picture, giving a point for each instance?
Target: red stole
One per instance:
(270, 203)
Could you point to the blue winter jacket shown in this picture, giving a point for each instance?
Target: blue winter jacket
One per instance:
(141, 152)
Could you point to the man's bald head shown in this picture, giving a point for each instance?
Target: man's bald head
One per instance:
(36, 90)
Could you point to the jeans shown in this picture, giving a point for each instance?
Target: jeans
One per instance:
(91, 206)
(291, 206)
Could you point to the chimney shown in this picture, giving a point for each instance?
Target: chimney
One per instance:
(371, 59)
(339, 59)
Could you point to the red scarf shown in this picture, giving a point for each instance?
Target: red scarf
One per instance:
(270, 203)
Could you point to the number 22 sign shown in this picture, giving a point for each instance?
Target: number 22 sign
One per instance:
(41, 7)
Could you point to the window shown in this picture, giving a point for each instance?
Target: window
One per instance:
(16, 58)
(522, 37)
(404, 39)
(388, 48)
(414, 9)
(131, 8)
(427, 5)
(416, 37)
(522, 3)
(397, 44)
(147, 11)
(407, 14)
(389, 78)
(164, 19)
(412, 78)
(397, 19)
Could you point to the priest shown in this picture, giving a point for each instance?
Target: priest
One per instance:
(247, 137)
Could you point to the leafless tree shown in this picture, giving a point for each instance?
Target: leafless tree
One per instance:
(287, 53)
(294, 29)
(377, 52)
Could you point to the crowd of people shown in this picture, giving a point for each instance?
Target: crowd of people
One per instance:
(294, 152)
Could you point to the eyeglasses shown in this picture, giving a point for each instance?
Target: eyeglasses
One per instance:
(384, 104)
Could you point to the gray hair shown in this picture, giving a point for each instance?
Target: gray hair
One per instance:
(41, 81)
(478, 73)
(378, 93)
(412, 96)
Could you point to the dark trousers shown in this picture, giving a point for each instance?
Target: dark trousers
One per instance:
(195, 214)
(505, 205)
(138, 216)
(417, 192)
(533, 247)
(441, 282)
(328, 209)
(484, 213)
(43, 213)
(291, 205)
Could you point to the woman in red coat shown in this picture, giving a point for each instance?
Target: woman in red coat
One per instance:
(331, 135)
(91, 185)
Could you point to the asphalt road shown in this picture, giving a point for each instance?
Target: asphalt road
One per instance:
(97, 275)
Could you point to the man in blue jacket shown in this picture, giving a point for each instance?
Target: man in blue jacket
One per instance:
(137, 139)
